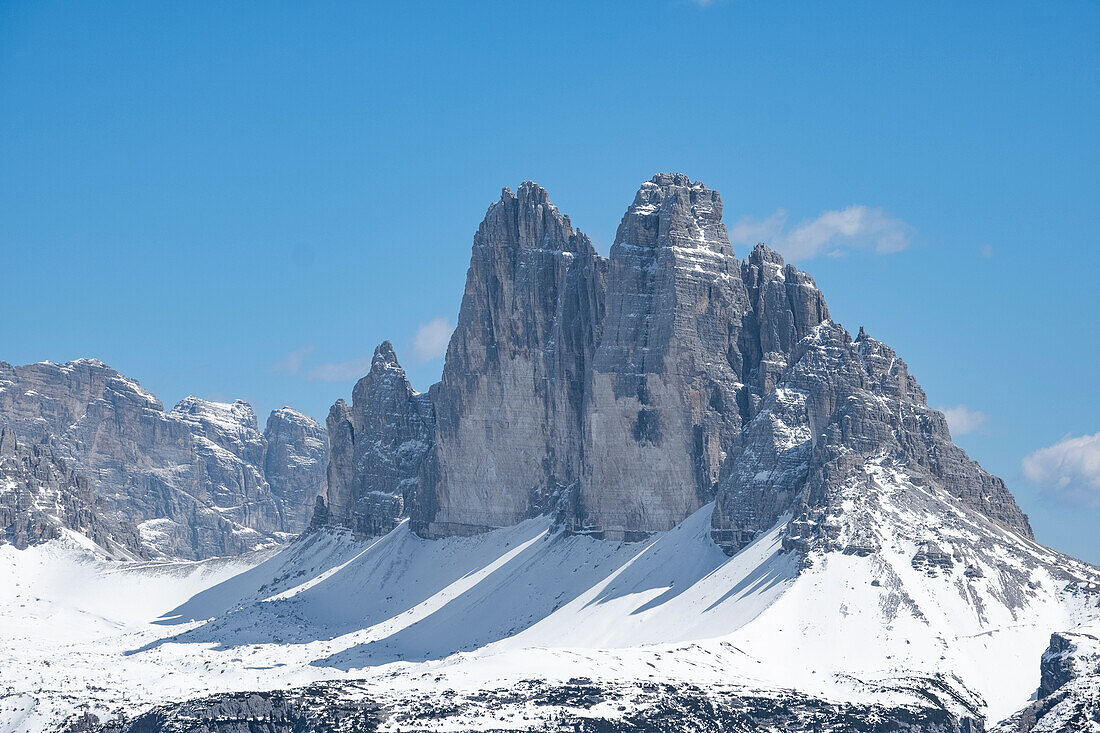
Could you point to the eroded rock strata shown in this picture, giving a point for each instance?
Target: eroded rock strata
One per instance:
(192, 480)
(623, 394)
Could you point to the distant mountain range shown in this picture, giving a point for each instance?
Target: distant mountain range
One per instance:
(197, 481)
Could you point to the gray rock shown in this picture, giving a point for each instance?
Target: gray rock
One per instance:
(1068, 698)
(378, 448)
(42, 494)
(510, 406)
(624, 394)
(191, 479)
(295, 465)
(663, 406)
(228, 469)
(837, 404)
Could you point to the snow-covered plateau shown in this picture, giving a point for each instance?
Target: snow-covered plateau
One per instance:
(527, 627)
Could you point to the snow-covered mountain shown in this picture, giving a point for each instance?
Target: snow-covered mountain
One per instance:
(662, 490)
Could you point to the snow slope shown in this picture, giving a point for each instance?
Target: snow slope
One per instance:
(890, 622)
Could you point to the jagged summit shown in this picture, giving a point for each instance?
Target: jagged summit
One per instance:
(384, 358)
(528, 220)
(763, 254)
(650, 489)
(623, 394)
(377, 447)
(670, 210)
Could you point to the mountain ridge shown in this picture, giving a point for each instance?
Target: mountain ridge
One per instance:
(192, 479)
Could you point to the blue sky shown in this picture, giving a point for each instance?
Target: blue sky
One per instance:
(242, 199)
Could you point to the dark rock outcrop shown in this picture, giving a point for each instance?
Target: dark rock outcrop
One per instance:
(312, 708)
(378, 447)
(577, 705)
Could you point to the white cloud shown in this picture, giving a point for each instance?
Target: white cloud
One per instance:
(987, 251)
(856, 227)
(962, 420)
(1069, 469)
(431, 339)
(292, 362)
(340, 371)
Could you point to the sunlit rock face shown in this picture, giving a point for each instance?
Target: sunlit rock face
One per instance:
(839, 407)
(510, 406)
(378, 447)
(192, 479)
(42, 495)
(663, 395)
(295, 464)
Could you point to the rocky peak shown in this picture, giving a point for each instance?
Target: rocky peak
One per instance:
(225, 417)
(528, 220)
(386, 369)
(785, 307)
(662, 407)
(384, 359)
(670, 210)
(624, 394)
(378, 446)
(509, 407)
(191, 479)
(838, 412)
(763, 255)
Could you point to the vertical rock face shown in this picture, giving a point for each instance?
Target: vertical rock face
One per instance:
(510, 406)
(295, 464)
(378, 448)
(663, 408)
(230, 452)
(624, 394)
(785, 308)
(191, 479)
(41, 495)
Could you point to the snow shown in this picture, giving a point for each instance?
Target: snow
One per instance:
(406, 615)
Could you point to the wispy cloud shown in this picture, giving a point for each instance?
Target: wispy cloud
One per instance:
(340, 371)
(292, 362)
(1068, 470)
(962, 420)
(431, 339)
(987, 251)
(833, 233)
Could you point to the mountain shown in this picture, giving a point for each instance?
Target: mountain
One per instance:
(193, 481)
(661, 490)
(623, 394)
